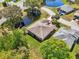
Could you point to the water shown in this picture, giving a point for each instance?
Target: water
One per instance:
(54, 3)
(27, 21)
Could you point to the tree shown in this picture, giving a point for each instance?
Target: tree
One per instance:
(33, 13)
(13, 15)
(55, 49)
(54, 21)
(33, 3)
(11, 12)
(14, 41)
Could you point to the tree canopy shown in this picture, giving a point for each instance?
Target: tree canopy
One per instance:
(33, 13)
(55, 49)
(33, 3)
(11, 12)
(14, 44)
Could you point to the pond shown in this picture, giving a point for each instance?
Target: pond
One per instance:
(54, 3)
(25, 22)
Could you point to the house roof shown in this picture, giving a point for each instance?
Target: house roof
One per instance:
(67, 35)
(66, 8)
(42, 30)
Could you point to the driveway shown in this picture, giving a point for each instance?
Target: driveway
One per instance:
(47, 10)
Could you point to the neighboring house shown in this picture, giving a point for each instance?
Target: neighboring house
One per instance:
(42, 30)
(69, 36)
(65, 9)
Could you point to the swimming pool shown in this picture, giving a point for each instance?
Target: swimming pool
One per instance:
(54, 3)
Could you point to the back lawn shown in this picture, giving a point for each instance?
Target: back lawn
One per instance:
(34, 47)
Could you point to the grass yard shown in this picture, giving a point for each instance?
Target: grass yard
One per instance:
(65, 1)
(34, 47)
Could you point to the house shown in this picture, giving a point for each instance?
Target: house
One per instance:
(42, 30)
(69, 36)
(65, 9)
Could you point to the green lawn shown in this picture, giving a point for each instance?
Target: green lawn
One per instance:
(65, 1)
(34, 47)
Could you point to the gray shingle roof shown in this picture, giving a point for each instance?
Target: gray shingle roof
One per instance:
(66, 8)
(67, 35)
(42, 31)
